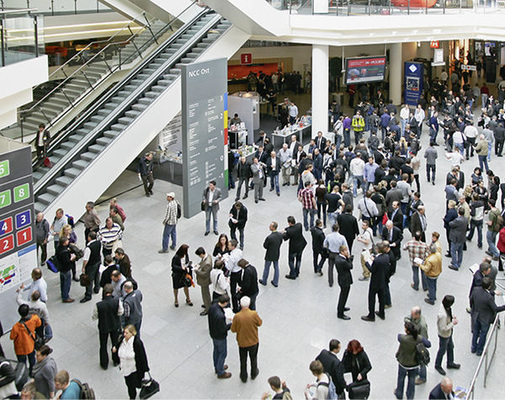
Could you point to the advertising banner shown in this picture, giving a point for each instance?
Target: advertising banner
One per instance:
(413, 82)
(365, 69)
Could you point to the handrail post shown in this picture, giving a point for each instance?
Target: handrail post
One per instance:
(35, 32)
(52, 7)
(369, 7)
(75, 6)
(2, 33)
(21, 124)
(408, 7)
(444, 6)
(348, 7)
(85, 77)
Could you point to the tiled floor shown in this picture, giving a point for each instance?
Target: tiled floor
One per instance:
(299, 317)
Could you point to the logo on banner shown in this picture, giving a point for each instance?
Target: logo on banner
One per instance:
(413, 68)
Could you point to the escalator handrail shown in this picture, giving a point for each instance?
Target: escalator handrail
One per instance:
(126, 103)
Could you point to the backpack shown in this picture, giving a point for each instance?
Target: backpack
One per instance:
(332, 390)
(86, 391)
(179, 210)
(53, 264)
(422, 354)
(70, 220)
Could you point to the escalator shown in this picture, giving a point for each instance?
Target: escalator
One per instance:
(95, 150)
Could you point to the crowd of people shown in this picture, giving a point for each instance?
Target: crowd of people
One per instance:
(348, 192)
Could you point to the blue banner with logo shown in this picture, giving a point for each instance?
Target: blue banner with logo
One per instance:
(414, 75)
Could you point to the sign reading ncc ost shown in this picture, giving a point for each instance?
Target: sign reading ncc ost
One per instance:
(204, 127)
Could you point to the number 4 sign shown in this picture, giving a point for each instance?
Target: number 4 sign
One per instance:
(6, 226)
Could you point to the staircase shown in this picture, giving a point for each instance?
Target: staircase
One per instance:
(86, 158)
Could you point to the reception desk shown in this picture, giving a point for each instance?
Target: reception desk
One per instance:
(285, 136)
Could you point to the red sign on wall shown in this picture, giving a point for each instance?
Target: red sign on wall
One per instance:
(435, 44)
(246, 58)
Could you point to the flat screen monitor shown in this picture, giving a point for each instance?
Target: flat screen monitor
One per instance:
(365, 69)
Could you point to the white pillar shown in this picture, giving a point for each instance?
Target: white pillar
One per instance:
(395, 73)
(320, 88)
(321, 7)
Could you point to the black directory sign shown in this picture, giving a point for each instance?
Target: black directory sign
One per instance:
(204, 120)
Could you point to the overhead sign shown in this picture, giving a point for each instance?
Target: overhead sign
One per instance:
(204, 125)
(246, 58)
(468, 67)
(438, 57)
(365, 69)
(435, 44)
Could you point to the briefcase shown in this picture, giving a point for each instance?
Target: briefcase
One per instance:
(84, 280)
(149, 388)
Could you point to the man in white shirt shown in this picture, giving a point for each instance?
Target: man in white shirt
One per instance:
(471, 133)
(367, 239)
(293, 113)
(455, 157)
(419, 115)
(231, 263)
(357, 169)
(285, 156)
(404, 116)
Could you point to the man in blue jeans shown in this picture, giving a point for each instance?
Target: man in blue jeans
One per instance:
(457, 237)
(218, 327)
(494, 224)
(169, 223)
(422, 327)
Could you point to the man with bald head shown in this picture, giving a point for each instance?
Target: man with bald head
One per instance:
(443, 391)
(422, 328)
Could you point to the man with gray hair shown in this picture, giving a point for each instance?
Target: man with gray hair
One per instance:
(422, 328)
(41, 236)
(132, 302)
(443, 390)
(245, 324)
(169, 224)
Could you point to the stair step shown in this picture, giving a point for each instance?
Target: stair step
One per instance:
(60, 153)
(118, 127)
(104, 141)
(89, 156)
(111, 134)
(46, 198)
(37, 175)
(68, 145)
(90, 125)
(145, 101)
(158, 88)
(132, 114)
(80, 164)
(75, 138)
(139, 107)
(174, 71)
(151, 95)
(72, 172)
(96, 118)
(96, 148)
(39, 207)
(64, 180)
(55, 189)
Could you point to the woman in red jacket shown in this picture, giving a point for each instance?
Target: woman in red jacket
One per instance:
(501, 247)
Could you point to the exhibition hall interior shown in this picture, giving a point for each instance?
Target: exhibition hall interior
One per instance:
(160, 115)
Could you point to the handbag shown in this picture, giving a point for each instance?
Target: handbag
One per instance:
(84, 280)
(203, 206)
(149, 387)
(359, 389)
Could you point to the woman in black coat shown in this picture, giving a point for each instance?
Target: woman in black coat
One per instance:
(180, 267)
(132, 359)
(356, 361)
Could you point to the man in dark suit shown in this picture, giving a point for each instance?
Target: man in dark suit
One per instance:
(294, 233)
(394, 236)
(344, 266)
(237, 220)
(378, 281)
(458, 175)
(484, 310)
(396, 215)
(348, 225)
(272, 244)
(244, 174)
(418, 223)
(457, 237)
(320, 141)
(318, 246)
(108, 312)
(333, 367)
(249, 282)
(443, 391)
(483, 271)
(273, 170)
(261, 155)
(210, 199)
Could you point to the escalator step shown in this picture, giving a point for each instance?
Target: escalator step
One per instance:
(118, 127)
(89, 156)
(151, 95)
(139, 107)
(96, 148)
(80, 164)
(111, 134)
(68, 145)
(64, 180)
(104, 141)
(46, 198)
(72, 172)
(55, 189)
(158, 88)
(132, 113)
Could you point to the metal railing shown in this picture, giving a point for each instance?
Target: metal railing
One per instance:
(110, 47)
(486, 359)
(59, 7)
(387, 7)
(19, 36)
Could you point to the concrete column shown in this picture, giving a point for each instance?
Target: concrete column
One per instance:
(395, 73)
(321, 6)
(320, 88)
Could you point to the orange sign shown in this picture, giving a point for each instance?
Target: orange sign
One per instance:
(434, 44)
(246, 58)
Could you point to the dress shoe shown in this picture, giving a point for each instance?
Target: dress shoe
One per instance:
(243, 379)
(69, 300)
(245, 197)
(255, 374)
(272, 282)
(256, 201)
(85, 299)
(203, 306)
(440, 370)
(271, 190)
(347, 309)
(151, 192)
(367, 318)
(290, 277)
(363, 278)
(262, 199)
(226, 375)
(96, 290)
(203, 313)
(386, 306)
(104, 367)
(75, 279)
(431, 302)
(448, 255)
(419, 381)
(453, 267)
(413, 287)
(237, 198)
(344, 317)
(206, 233)
(262, 282)
(453, 366)
(278, 194)
(381, 316)
(225, 367)
(148, 194)
(162, 251)
(433, 183)
(172, 247)
(488, 253)
(216, 233)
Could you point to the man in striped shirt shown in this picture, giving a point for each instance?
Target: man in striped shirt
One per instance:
(109, 235)
(417, 249)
